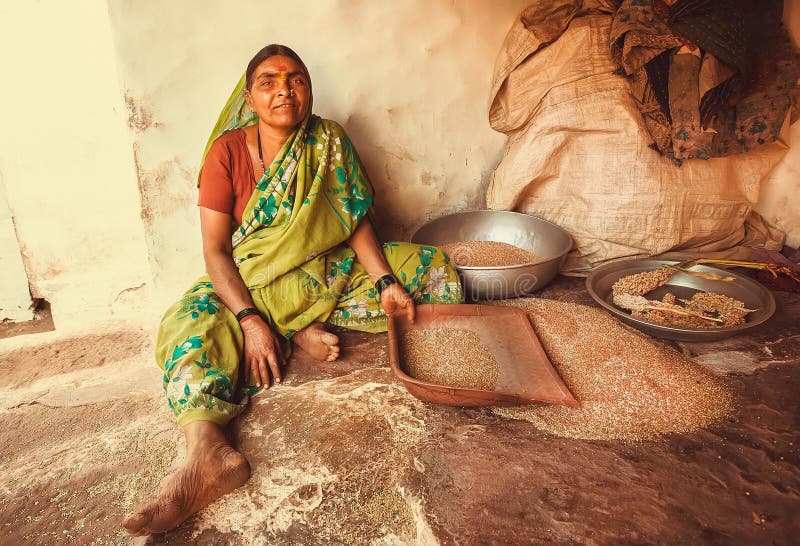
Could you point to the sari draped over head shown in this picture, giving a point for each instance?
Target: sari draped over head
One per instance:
(292, 253)
(305, 207)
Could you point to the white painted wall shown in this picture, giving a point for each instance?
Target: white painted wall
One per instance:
(66, 159)
(15, 296)
(409, 80)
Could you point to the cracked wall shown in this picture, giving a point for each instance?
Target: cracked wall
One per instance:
(409, 81)
(110, 104)
(66, 161)
(15, 297)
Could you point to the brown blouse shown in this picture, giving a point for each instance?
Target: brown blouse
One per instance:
(227, 180)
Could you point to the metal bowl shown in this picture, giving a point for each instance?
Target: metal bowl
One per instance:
(742, 288)
(545, 239)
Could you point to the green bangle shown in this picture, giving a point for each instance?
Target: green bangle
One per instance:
(246, 312)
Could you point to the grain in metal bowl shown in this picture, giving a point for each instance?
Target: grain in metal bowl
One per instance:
(682, 285)
(547, 241)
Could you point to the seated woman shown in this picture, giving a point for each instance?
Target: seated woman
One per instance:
(288, 247)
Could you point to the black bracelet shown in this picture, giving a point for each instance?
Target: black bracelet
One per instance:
(245, 312)
(384, 282)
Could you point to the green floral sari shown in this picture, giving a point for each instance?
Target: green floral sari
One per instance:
(292, 253)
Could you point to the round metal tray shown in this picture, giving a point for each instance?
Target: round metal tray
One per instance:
(744, 289)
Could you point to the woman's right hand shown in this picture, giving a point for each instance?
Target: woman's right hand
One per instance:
(263, 356)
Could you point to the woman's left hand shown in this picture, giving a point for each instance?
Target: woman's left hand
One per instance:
(394, 297)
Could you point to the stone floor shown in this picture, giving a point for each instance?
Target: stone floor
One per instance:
(342, 454)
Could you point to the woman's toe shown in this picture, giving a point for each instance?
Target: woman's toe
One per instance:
(329, 338)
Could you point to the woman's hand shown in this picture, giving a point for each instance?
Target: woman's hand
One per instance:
(262, 353)
(364, 243)
(394, 297)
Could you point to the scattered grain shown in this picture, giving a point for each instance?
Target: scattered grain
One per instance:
(667, 318)
(704, 310)
(631, 387)
(153, 461)
(386, 506)
(662, 312)
(449, 356)
(642, 283)
(731, 310)
(487, 254)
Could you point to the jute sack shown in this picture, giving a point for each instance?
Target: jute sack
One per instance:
(577, 155)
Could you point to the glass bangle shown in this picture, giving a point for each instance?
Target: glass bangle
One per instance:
(246, 312)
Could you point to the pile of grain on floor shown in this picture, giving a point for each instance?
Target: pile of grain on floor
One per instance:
(449, 356)
(487, 254)
(631, 387)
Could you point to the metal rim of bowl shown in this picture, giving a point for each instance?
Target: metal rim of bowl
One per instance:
(559, 256)
(770, 307)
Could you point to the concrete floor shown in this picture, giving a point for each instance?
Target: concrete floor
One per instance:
(342, 454)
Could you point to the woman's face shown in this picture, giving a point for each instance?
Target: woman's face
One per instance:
(279, 93)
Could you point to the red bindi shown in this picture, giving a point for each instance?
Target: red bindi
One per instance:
(282, 67)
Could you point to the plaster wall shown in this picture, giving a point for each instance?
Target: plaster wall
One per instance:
(15, 297)
(408, 80)
(112, 102)
(65, 160)
(778, 199)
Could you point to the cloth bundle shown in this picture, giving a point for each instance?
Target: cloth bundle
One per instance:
(710, 78)
(578, 148)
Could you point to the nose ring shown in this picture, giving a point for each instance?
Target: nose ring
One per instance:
(291, 92)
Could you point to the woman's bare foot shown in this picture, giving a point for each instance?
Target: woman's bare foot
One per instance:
(211, 469)
(317, 342)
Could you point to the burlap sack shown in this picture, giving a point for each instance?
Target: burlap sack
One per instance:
(578, 155)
